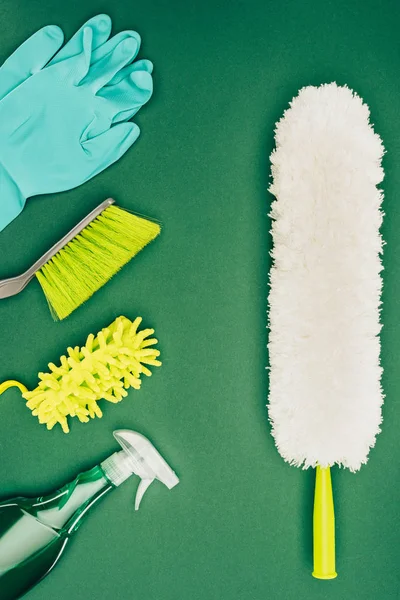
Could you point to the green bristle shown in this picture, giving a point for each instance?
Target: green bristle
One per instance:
(98, 252)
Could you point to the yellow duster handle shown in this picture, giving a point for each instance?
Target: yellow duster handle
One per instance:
(324, 526)
(11, 383)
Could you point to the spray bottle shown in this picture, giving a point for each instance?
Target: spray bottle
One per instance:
(35, 531)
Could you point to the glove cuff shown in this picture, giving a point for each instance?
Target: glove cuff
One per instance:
(12, 201)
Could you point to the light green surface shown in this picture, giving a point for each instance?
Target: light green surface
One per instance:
(238, 527)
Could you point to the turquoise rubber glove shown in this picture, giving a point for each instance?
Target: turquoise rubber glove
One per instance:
(63, 124)
(36, 52)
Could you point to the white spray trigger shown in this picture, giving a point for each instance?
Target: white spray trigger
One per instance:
(143, 485)
(145, 461)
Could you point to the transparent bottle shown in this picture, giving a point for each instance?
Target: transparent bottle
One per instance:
(35, 531)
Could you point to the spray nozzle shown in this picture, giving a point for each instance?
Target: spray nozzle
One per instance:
(145, 461)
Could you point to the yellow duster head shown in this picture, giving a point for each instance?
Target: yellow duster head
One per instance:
(105, 367)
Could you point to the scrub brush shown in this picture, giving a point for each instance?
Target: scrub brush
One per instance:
(324, 303)
(86, 258)
(105, 367)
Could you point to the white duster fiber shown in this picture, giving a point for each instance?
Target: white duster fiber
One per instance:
(324, 302)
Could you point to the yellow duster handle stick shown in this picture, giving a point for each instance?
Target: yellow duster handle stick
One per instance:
(324, 526)
(11, 383)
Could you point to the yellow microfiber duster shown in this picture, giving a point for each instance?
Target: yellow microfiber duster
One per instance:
(105, 367)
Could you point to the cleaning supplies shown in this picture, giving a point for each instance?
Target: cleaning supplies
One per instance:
(325, 391)
(105, 367)
(85, 258)
(63, 124)
(35, 531)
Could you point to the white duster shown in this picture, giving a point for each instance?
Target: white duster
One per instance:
(325, 285)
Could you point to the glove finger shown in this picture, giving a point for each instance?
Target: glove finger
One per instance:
(109, 46)
(30, 57)
(120, 102)
(127, 97)
(101, 29)
(107, 148)
(106, 67)
(78, 66)
(138, 65)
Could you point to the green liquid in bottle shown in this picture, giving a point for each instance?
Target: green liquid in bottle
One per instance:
(35, 532)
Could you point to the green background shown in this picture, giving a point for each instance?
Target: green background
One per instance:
(238, 527)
